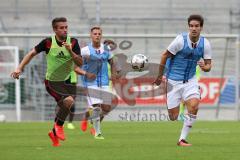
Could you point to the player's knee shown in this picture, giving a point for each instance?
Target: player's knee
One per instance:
(193, 110)
(68, 101)
(106, 108)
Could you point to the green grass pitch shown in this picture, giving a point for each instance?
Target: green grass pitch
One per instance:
(123, 141)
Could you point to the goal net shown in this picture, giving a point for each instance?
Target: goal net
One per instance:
(9, 88)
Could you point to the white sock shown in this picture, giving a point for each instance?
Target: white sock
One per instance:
(96, 120)
(96, 126)
(187, 125)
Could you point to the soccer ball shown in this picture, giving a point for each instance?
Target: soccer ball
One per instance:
(139, 62)
(2, 118)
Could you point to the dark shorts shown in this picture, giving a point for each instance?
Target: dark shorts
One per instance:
(60, 90)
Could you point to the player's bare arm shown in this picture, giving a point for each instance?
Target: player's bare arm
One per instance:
(84, 73)
(115, 74)
(165, 55)
(23, 63)
(76, 58)
(205, 65)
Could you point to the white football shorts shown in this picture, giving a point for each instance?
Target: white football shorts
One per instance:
(99, 95)
(182, 91)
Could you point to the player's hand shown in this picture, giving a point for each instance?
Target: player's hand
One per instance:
(16, 73)
(109, 41)
(90, 76)
(201, 64)
(158, 81)
(67, 46)
(111, 45)
(86, 58)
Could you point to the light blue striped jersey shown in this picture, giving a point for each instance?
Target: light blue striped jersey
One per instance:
(96, 63)
(182, 66)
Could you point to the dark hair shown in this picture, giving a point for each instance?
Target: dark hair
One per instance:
(58, 19)
(197, 18)
(109, 41)
(96, 27)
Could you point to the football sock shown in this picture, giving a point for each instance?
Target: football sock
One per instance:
(71, 115)
(64, 109)
(96, 119)
(187, 125)
(59, 122)
(54, 132)
(96, 126)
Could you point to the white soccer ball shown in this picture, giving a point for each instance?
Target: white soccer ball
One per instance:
(139, 62)
(2, 118)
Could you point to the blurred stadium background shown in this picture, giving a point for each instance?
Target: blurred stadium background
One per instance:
(149, 25)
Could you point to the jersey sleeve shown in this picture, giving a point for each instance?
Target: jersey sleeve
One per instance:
(85, 51)
(41, 47)
(110, 56)
(176, 45)
(207, 50)
(75, 46)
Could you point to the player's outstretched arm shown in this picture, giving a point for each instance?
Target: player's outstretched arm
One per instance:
(165, 55)
(84, 73)
(28, 57)
(205, 65)
(115, 71)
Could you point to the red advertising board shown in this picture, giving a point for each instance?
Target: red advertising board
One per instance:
(142, 92)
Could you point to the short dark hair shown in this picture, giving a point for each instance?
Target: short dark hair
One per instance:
(58, 19)
(96, 27)
(196, 17)
(109, 41)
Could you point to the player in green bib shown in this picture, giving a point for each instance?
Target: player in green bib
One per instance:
(62, 53)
